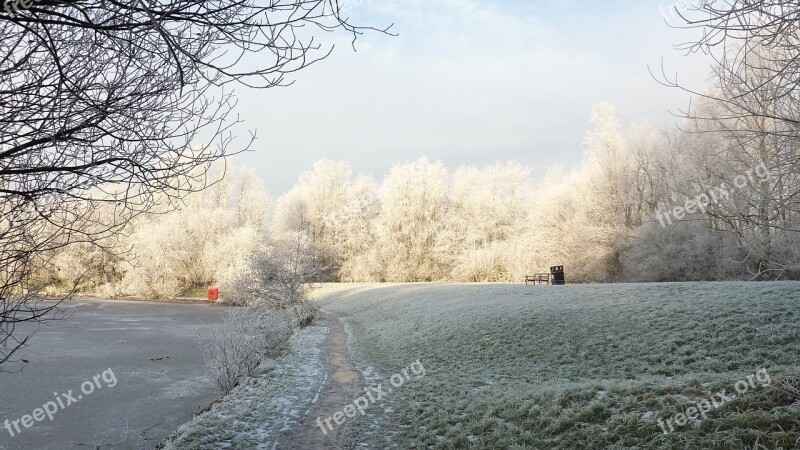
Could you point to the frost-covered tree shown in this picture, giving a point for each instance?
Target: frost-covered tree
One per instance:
(414, 210)
(208, 239)
(753, 110)
(605, 220)
(684, 251)
(585, 222)
(279, 277)
(311, 206)
(355, 235)
(488, 212)
(252, 200)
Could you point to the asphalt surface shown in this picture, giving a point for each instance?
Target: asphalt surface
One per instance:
(115, 374)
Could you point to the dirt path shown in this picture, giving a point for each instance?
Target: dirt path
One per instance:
(342, 385)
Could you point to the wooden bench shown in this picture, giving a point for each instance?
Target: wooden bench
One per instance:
(538, 278)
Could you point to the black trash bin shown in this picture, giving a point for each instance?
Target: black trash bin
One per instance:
(558, 275)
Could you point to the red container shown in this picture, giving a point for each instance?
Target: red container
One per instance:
(213, 294)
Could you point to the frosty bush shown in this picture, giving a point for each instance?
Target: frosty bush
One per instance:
(108, 290)
(280, 278)
(245, 338)
(302, 314)
(273, 294)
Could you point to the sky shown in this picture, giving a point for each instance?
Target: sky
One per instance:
(469, 82)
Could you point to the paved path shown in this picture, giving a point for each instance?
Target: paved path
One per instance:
(153, 352)
(343, 385)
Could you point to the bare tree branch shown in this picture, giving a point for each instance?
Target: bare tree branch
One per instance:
(110, 108)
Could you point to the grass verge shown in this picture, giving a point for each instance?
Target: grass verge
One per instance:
(591, 366)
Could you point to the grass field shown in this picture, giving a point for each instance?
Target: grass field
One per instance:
(577, 366)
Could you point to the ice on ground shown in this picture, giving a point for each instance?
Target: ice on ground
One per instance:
(258, 412)
(187, 386)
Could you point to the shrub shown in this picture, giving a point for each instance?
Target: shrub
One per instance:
(280, 277)
(303, 313)
(246, 337)
(273, 294)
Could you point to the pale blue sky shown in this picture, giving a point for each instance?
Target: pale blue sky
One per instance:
(468, 82)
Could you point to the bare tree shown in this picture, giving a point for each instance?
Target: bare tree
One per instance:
(746, 38)
(752, 113)
(125, 105)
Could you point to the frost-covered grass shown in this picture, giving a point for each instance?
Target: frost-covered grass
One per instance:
(257, 413)
(577, 366)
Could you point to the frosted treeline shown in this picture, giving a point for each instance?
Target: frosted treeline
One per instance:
(613, 218)
(210, 239)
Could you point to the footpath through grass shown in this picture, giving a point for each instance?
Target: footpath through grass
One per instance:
(582, 366)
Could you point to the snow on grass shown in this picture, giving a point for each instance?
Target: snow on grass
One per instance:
(255, 414)
(595, 366)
